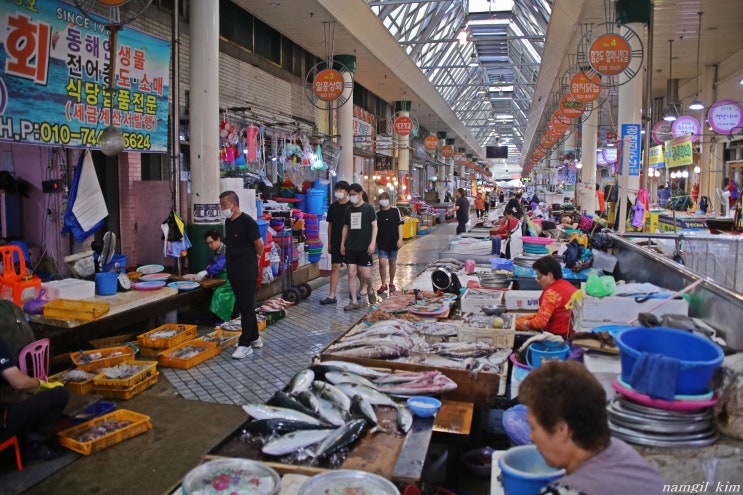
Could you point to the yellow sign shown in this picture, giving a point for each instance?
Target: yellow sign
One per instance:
(679, 152)
(656, 155)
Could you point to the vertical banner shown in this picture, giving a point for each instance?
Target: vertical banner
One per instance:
(631, 148)
(55, 69)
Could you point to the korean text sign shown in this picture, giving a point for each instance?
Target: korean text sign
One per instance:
(631, 148)
(55, 68)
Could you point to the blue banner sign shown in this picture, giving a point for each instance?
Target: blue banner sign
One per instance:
(631, 148)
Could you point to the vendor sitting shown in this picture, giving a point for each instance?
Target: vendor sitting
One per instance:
(30, 409)
(566, 410)
(552, 316)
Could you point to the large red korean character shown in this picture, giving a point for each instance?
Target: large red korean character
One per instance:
(27, 46)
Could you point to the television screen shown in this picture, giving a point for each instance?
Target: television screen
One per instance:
(496, 152)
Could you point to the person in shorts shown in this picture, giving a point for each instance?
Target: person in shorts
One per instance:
(389, 240)
(357, 244)
(335, 217)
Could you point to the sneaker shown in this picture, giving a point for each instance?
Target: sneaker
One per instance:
(351, 306)
(382, 290)
(242, 352)
(372, 298)
(329, 300)
(257, 343)
(41, 452)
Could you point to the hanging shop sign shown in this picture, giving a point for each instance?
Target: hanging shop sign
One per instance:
(570, 107)
(431, 142)
(585, 87)
(447, 151)
(364, 125)
(560, 121)
(403, 125)
(725, 117)
(631, 148)
(328, 85)
(609, 54)
(656, 157)
(686, 125)
(662, 131)
(679, 152)
(382, 162)
(610, 155)
(54, 79)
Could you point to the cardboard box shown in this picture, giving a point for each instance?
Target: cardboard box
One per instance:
(474, 299)
(522, 300)
(596, 311)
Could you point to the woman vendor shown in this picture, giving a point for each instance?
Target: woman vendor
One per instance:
(552, 316)
(503, 231)
(566, 410)
(576, 221)
(223, 299)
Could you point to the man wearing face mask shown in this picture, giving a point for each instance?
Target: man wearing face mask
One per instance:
(357, 243)
(335, 217)
(389, 241)
(244, 249)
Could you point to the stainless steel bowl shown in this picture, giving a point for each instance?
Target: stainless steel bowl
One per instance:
(493, 309)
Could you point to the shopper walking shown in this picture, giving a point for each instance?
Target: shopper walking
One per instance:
(479, 206)
(244, 249)
(462, 209)
(389, 240)
(335, 218)
(357, 244)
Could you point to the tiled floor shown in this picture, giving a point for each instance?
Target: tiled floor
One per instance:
(291, 343)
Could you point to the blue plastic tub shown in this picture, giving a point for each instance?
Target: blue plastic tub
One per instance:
(538, 353)
(314, 201)
(501, 264)
(106, 283)
(699, 356)
(92, 412)
(314, 257)
(117, 263)
(302, 203)
(263, 228)
(525, 471)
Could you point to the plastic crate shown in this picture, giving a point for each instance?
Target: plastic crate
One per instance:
(79, 388)
(188, 333)
(272, 317)
(98, 409)
(110, 356)
(211, 349)
(70, 309)
(151, 368)
(112, 341)
(126, 393)
(139, 424)
(502, 338)
(231, 337)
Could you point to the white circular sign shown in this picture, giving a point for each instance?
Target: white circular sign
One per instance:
(725, 116)
(662, 132)
(686, 125)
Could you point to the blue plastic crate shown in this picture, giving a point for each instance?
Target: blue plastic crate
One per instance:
(91, 412)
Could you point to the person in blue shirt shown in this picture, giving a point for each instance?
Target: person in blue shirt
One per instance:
(215, 268)
(664, 194)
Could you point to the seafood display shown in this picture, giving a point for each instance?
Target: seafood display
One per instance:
(76, 376)
(166, 333)
(379, 315)
(396, 303)
(187, 352)
(275, 304)
(103, 428)
(437, 329)
(123, 371)
(484, 321)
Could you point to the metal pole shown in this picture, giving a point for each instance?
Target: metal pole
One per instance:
(175, 136)
(648, 99)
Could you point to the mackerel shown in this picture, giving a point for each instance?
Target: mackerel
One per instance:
(280, 426)
(282, 399)
(403, 377)
(365, 409)
(291, 442)
(404, 419)
(332, 413)
(336, 377)
(301, 381)
(353, 368)
(309, 400)
(262, 411)
(371, 395)
(327, 391)
(341, 437)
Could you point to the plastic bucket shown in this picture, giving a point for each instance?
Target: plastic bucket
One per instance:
(537, 353)
(263, 228)
(314, 257)
(314, 201)
(501, 264)
(118, 263)
(106, 283)
(302, 203)
(699, 356)
(525, 471)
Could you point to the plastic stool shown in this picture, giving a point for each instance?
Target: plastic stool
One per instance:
(18, 282)
(13, 441)
(39, 351)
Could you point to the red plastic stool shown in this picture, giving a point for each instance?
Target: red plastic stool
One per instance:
(13, 441)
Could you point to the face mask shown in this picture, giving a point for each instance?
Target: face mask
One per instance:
(340, 194)
(384, 202)
(354, 199)
(227, 213)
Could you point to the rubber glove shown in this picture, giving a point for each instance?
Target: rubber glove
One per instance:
(44, 385)
(201, 275)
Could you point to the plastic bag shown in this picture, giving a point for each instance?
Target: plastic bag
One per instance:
(600, 286)
(577, 257)
(267, 275)
(36, 306)
(223, 302)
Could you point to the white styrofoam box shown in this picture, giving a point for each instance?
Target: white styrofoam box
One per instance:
(522, 300)
(596, 311)
(246, 196)
(69, 288)
(604, 261)
(325, 263)
(474, 299)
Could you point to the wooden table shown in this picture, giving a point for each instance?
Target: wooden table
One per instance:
(454, 417)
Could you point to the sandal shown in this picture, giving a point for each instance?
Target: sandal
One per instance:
(382, 289)
(393, 288)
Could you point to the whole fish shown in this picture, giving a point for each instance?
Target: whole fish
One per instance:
(282, 399)
(336, 377)
(362, 407)
(371, 395)
(436, 385)
(309, 400)
(374, 352)
(404, 419)
(327, 391)
(291, 442)
(262, 411)
(280, 426)
(403, 377)
(341, 437)
(332, 413)
(301, 381)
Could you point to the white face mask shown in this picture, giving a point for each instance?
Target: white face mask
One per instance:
(355, 199)
(227, 213)
(384, 203)
(340, 194)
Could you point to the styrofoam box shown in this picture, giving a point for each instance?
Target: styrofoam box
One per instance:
(522, 300)
(596, 311)
(69, 288)
(474, 299)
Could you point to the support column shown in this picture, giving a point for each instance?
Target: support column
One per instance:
(712, 174)
(402, 108)
(204, 126)
(588, 159)
(345, 120)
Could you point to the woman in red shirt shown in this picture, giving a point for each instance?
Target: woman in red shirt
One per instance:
(552, 316)
(510, 222)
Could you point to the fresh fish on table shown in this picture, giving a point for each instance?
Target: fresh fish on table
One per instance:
(404, 419)
(373, 352)
(329, 392)
(404, 376)
(429, 384)
(301, 381)
(341, 437)
(291, 442)
(282, 399)
(371, 395)
(332, 413)
(437, 329)
(336, 377)
(280, 426)
(352, 368)
(309, 400)
(361, 406)
(262, 411)
(463, 350)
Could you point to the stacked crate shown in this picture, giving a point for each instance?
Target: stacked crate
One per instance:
(150, 345)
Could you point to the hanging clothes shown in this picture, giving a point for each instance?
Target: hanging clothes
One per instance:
(176, 240)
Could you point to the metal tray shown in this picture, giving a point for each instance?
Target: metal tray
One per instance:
(627, 405)
(671, 441)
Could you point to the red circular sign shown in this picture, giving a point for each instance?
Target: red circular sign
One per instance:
(585, 87)
(328, 85)
(403, 125)
(610, 54)
(447, 151)
(431, 142)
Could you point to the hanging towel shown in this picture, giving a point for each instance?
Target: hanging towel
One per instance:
(86, 207)
(655, 375)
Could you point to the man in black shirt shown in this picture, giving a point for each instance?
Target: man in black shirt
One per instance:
(244, 249)
(358, 242)
(336, 215)
(462, 207)
(389, 241)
